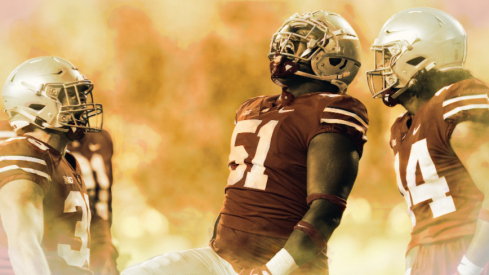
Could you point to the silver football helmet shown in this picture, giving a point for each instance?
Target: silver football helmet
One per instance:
(322, 41)
(50, 93)
(411, 41)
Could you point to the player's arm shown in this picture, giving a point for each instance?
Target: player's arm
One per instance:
(332, 165)
(470, 141)
(103, 254)
(21, 210)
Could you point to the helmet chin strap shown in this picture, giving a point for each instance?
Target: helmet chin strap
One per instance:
(37, 121)
(281, 67)
(324, 78)
(341, 85)
(77, 134)
(388, 99)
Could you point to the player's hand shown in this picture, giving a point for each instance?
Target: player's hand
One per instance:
(256, 271)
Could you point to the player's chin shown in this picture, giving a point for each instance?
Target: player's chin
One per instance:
(75, 133)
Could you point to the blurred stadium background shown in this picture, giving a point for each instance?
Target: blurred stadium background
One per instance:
(171, 74)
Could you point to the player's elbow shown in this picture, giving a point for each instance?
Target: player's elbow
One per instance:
(325, 215)
(330, 222)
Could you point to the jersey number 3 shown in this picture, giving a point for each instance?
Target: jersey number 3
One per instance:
(82, 256)
(434, 187)
(256, 178)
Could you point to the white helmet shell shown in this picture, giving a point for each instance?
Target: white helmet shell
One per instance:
(413, 40)
(330, 46)
(49, 92)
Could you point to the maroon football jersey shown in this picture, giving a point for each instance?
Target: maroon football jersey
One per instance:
(94, 155)
(443, 201)
(267, 186)
(66, 240)
(6, 132)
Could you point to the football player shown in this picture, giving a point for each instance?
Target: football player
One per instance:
(94, 155)
(293, 161)
(6, 132)
(44, 204)
(440, 143)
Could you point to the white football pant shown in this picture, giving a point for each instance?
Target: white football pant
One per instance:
(200, 261)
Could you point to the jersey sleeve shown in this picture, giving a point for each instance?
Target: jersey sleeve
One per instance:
(20, 160)
(246, 108)
(466, 101)
(345, 115)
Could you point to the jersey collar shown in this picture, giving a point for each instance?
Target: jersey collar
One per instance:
(285, 98)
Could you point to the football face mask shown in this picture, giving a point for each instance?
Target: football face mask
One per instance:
(318, 45)
(383, 77)
(296, 43)
(299, 40)
(77, 108)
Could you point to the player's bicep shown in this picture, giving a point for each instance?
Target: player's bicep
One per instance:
(21, 210)
(470, 141)
(332, 165)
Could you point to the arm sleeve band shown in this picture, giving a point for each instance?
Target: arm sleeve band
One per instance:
(340, 202)
(312, 233)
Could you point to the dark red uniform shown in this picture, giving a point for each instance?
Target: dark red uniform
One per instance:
(267, 186)
(66, 240)
(94, 154)
(443, 201)
(6, 132)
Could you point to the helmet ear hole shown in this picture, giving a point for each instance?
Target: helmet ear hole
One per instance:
(334, 61)
(415, 61)
(37, 107)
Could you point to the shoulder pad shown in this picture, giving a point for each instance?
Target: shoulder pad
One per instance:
(464, 100)
(22, 146)
(20, 156)
(345, 110)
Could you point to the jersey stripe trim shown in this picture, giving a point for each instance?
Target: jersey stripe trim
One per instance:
(15, 138)
(29, 170)
(31, 159)
(443, 89)
(450, 101)
(346, 113)
(464, 108)
(344, 122)
(7, 134)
